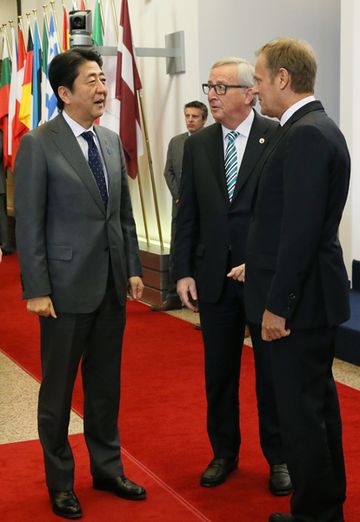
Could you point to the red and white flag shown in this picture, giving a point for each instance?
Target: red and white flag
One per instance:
(127, 84)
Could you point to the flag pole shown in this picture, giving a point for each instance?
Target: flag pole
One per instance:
(151, 171)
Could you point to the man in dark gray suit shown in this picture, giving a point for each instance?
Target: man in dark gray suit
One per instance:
(210, 244)
(296, 286)
(78, 253)
(195, 113)
(4, 226)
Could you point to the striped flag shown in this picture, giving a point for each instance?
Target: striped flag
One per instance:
(97, 33)
(66, 34)
(4, 98)
(13, 88)
(26, 93)
(111, 116)
(44, 67)
(127, 84)
(18, 127)
(36, 79)
(53, 50)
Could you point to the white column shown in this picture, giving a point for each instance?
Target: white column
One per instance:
(350, 123)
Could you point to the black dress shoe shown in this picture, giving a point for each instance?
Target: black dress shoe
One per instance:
(168, 304)
(217, 472)
(281, 517)
(65, 504)
(121, 486)
(280, 482)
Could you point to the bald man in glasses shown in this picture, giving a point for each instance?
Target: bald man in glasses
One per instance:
(216, 199)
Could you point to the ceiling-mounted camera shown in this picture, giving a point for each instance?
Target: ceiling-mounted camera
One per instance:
(80, 28)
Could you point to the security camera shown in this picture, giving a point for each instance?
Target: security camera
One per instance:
(80, 28)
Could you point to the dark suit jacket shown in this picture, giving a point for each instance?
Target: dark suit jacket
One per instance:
(65, 236)
(294, 265)
(173, 167)
(209, 227)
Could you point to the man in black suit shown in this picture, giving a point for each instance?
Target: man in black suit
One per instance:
(195, 113)
(296, 288)
(210, 240)
(78, 254)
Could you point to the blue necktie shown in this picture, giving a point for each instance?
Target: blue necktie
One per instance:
(96, 165)
(231, 166)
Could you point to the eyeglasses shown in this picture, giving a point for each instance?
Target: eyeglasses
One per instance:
(220, 88)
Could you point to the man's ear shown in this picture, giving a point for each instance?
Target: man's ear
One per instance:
(64, 94)
(284, 78)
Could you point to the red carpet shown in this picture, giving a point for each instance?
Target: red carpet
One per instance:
(164, 440)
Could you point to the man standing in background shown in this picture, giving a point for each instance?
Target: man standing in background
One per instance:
(216, 202)
(196, 114)
(296, 286)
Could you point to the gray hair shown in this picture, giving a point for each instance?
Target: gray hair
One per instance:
(246, 70)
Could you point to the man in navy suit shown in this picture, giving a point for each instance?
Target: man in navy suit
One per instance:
(210, 243)
(296, 286)
(79, 256)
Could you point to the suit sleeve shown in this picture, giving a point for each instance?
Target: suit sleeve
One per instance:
(30, 200)
(306, 185)
(169, 172)
(186, 231)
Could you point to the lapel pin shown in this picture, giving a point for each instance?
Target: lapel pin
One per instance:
(261, 140)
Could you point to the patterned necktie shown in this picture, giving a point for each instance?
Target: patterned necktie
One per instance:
(96, 165)
(231, 166)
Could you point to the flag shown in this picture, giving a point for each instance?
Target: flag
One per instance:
(13, 87)
(97, 33)
(26, 91)
(111, 116)
(66, 34)
(82, 5)
(4, 98)
(127, 85)
(44, 55)
(53, 50)
(36, 79)
(18, 127)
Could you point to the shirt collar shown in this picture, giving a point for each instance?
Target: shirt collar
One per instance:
(244, 127)
(291, 110)
(75, 126)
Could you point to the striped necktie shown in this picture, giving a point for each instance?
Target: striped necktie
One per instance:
(96, 165)
(231, 164)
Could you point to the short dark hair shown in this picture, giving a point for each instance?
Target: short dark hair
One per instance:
(198, 105)
(64, 68)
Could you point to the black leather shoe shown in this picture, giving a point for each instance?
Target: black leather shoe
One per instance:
(217, 471)
(121, 486)
(168, 304)
(280, 482)
(281, 517)
(65, 504)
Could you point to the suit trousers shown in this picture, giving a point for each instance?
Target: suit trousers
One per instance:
(223, 325)
(95, 339)
(310, 423)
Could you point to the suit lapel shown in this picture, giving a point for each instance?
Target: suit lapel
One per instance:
(68, 146)
(257, 141)
(215, 151)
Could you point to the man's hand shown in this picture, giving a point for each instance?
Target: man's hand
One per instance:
(273, 327)
(186, 289)
(41, 306)
(237, 273)
(136, 287)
